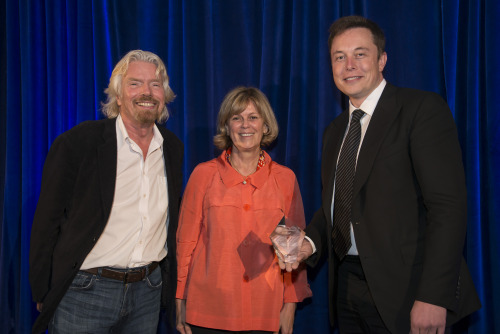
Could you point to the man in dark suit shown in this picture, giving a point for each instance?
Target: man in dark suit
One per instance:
(102, 255)
(393, 217)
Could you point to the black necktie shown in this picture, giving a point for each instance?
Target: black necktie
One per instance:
(344, 179)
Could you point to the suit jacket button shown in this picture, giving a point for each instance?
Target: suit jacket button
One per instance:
(75, 265)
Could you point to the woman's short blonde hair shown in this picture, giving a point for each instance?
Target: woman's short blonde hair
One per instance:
(111, 109)
(235, 102)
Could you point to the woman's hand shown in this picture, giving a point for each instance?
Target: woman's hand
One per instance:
(287, 316)
(180, 311)
(305, 251)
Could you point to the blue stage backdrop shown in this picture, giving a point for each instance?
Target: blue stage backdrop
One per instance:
(57, 55)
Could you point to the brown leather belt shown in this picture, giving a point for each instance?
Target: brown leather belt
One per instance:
(129, 276)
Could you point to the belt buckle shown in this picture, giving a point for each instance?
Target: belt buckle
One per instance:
(131, 275)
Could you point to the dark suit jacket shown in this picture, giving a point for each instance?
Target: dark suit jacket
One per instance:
(76, 197)
(409, 208)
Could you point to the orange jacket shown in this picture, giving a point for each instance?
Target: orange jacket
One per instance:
(227, 269)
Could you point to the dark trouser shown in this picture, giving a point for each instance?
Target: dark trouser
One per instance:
(356, 311)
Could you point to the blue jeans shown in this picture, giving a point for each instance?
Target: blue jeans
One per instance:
(94, 304)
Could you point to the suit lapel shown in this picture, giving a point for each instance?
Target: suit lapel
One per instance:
(106, 161)
(331, 148)
(383, 117)
(167, 153)
(173, 180)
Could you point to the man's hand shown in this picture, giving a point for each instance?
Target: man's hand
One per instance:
(305, 251)
(427, 318)
(39, 307)
(287, 317)
(180, 311)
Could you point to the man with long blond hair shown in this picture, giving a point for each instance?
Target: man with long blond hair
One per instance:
(102, 256)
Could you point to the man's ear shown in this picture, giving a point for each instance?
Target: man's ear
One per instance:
(382, 60)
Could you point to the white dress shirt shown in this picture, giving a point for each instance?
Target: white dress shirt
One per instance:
(368, 106)
(136, 232)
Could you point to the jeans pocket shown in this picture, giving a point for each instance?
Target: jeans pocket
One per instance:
(154, 279)
(83, 281)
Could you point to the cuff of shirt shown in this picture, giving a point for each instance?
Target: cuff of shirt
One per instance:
(312, 244)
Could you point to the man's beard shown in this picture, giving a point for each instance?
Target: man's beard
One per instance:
(147, 116)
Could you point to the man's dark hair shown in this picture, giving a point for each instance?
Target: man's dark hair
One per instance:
(349, 22)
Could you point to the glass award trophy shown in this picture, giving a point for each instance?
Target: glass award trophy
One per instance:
(287, 241)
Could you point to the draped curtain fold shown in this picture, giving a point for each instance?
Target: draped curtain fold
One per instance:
(57, 55)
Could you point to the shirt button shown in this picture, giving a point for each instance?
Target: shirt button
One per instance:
(246, 207)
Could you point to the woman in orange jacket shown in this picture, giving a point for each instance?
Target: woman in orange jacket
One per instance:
(228, 274)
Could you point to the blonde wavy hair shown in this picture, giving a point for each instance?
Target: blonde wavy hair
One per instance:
(235, 102)
(111, 109)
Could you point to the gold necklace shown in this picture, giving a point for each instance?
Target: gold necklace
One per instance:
(244, 177)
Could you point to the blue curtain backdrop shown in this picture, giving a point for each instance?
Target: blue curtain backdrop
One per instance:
(56, 58)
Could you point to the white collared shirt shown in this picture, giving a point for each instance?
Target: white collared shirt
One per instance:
(136, 231)
(368, 106)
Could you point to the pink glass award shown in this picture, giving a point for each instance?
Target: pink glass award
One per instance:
(287, 242)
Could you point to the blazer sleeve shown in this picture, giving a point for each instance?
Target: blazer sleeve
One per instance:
(58, 179)
(437, 163)
(295, 282)
(317, 231)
